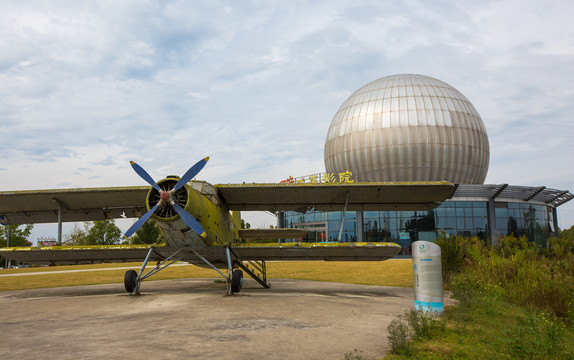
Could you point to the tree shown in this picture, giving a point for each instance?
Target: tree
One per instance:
(18, 235)
(104, 232)
(148, 233)
(567, 234)
(77, 236)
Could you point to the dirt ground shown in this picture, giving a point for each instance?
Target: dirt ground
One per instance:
(193, 319)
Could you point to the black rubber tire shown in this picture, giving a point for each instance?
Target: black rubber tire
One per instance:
(236, 281)
(130, 280)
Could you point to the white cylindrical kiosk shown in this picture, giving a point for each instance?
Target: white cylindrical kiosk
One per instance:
(427, 272)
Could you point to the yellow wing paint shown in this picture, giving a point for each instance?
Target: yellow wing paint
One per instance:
(79, 247)
(320, 244)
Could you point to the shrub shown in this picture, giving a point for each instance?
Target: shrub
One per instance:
(354, 355)
(418, 324)
(398, 336)
(517, 270)
(424, 324)
(452, 255)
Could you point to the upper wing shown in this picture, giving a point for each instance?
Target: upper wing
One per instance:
(41, 206)
(332, 197)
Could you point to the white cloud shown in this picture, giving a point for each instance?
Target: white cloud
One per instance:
(88, 86)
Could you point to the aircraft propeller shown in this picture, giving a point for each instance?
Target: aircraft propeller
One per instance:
(166, 198)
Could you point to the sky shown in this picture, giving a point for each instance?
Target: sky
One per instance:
(87, 86)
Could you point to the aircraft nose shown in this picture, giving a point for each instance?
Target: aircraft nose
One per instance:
(165, 195)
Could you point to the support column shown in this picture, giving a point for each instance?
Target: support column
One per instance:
(492, 212)
(360, 227)
(61, 206)
(491, 220)
(343, 218)
(555, 220)
(59, 225)
(8, 245)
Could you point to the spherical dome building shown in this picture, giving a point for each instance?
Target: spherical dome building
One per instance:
(408, 128)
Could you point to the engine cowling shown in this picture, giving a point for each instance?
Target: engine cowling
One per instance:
(166, 212)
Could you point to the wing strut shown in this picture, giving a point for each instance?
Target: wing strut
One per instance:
(133, 280)
(60, 206)
(234, 280)
(229, 266)
(343, 219)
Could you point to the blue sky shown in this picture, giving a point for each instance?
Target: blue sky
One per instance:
(87, 86)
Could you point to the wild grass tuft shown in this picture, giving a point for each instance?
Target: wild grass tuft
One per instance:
(413, 324)
(354, 355)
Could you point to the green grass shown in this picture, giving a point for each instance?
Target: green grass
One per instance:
(515, 302)
(385, 273)
(491, 328)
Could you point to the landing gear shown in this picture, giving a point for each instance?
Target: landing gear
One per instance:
(233, 278)
(236, 281)
(130, 280)
(133, 279)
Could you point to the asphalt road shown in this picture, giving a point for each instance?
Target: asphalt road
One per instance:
(193, 319)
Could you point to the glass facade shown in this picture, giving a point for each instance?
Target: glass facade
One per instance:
(398, 226)
(534, 221)
(467, 218)
(324, 226)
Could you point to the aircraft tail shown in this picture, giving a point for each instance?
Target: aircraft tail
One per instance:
(236, 216)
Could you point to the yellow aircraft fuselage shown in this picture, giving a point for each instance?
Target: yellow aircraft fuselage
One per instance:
(221, 226)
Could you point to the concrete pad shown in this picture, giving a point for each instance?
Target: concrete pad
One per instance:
(192, 318)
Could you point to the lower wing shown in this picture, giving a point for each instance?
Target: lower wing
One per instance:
(66, 255)
(63, 255)
(318, 251)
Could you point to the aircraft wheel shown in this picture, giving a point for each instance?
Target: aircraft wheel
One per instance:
(130, 280)
(237, 281)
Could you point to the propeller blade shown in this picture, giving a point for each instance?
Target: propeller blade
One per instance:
(144, 175)
(190, 174)
(189, 220)
(139, 223)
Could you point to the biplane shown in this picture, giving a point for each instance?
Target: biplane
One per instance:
(201, 222)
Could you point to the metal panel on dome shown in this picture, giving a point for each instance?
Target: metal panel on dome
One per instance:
(408, 128)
